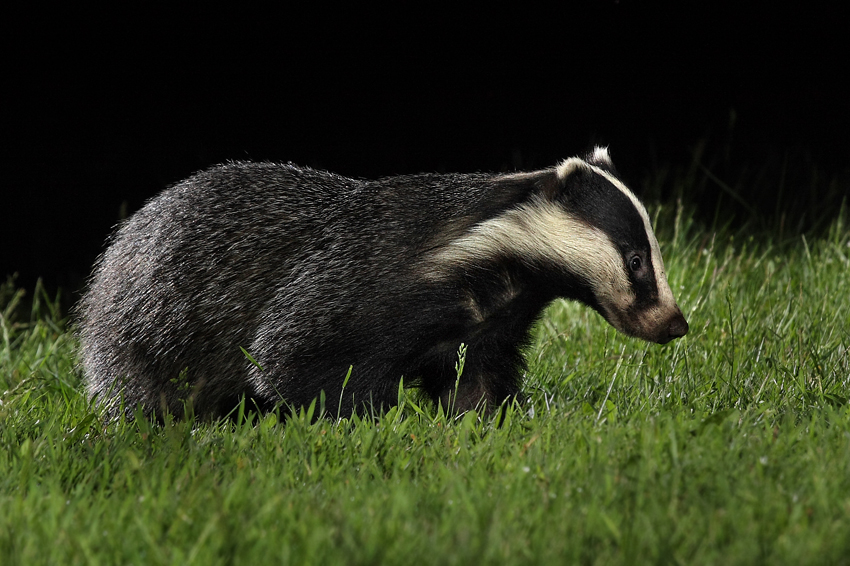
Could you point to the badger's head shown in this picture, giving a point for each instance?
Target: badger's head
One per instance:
(589, 238)
(607, 237)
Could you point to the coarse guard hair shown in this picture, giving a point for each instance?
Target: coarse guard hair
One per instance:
(317, 276)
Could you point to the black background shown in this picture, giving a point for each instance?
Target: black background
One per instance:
(104, 109)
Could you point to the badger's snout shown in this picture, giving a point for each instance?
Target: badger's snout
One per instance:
(652, 325)
(676, 327)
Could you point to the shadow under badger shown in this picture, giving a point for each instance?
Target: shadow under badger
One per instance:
(312, 272)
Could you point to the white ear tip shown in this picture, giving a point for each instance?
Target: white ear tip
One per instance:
(600, 155)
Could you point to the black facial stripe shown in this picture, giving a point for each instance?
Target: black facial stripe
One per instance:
(598, 202)
(644, 283)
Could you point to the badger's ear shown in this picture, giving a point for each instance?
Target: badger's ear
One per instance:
(566, 174)
(600, 157)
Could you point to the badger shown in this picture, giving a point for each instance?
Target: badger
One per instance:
(275, 283)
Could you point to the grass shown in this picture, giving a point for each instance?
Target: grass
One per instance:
(730, 446)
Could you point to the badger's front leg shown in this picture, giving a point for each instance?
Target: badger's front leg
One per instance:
(491, 376)
(475, 391)
(467, 393)
(495, 317)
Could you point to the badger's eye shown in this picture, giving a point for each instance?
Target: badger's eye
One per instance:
(635, 263)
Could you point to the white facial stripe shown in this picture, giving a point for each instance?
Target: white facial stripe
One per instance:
(543, 231)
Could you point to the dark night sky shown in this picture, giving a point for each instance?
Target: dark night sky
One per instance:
(105, 108)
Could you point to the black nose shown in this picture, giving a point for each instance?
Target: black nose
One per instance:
(678, 327)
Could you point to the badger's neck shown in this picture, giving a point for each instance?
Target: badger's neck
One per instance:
(511, 266)
(537, 235)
